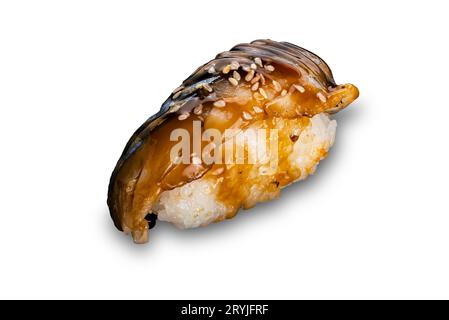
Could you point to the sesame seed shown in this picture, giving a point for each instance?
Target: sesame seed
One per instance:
(246, 115)
(257, 96)
(299, 88)
(321, 97)
(255, 79)
(227, 69)
(207, 87)
(219, 104)
(291, 89)
(234, 65)
(255, 86)
(236, 75)
(257, 109)
(284, 93)
(183, 116)
(262, 79)
(253, 66)
(175, 108)
(250, 75)
(263, 93)
(246, 68)
(277, 86)
(233, 81)
(258, 61)
(177, 94)
(211, 70)
(269, 68)
(198, 109)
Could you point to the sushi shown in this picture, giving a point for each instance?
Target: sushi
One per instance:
(239, 129)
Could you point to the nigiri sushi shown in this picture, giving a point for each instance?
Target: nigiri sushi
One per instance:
(239, 129)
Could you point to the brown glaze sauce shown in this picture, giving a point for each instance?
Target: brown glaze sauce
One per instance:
(276, 96)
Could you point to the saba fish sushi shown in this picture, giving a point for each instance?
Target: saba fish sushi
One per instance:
(244, 125)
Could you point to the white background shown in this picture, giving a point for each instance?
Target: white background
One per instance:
(78, 77)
